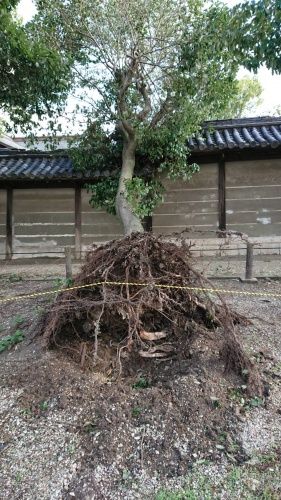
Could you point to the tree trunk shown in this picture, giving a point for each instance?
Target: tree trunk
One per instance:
(131, 223)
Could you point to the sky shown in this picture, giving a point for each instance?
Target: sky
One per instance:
(271, 83)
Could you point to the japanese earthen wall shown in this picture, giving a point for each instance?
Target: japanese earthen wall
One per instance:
(238, 196)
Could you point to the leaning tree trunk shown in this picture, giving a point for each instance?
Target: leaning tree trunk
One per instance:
(131, 223)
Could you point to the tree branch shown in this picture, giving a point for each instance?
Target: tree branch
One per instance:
(125, 81)
(160, 114)
(125, 129)
(143, 114)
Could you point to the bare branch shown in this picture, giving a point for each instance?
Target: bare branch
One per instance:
(143, 114)
(160, 114)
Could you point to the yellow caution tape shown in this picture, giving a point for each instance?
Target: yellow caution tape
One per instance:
(178, 287)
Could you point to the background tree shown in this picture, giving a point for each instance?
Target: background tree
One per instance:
(275, 111)
(245, 100)
(254, 34)
(34, 79)
(251, 31)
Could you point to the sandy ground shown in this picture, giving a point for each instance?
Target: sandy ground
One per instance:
(264, 266)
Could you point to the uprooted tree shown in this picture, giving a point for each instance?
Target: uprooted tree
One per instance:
(140, 299)
(137, 92)
(147, 73)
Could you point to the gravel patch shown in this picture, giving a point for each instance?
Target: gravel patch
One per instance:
(37, 455)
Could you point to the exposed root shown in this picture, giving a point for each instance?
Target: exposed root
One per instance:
(139, 316)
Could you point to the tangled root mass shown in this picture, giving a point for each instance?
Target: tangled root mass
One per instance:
(155, 313)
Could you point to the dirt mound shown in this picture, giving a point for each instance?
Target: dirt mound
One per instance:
(139, 301)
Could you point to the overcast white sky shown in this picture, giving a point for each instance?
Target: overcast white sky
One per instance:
(271, 83)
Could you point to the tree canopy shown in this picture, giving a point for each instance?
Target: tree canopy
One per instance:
(34, 78)
(255, 34)
(245, 101)
(251, 31)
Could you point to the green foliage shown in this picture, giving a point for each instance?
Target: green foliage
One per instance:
(12, 278)
(245, 101)
(126, 475)
(248, 34)
(238, 394)
(143, 195)
(71, 449)
(17, 321)
(206, 58)
(2, 126)
(103, 194)
(256, 401)
(59, 283)
(201, 489)
(136, 411)
(10, 340)
(18, 477)
(44, 405)
(141, 383)
(100, 153)
(216, 402)
(254, 34)
(277, 111)
(35, 79)
(90, 428)
(165, 149)
(245, 482)
(25, 412)
(96, 150)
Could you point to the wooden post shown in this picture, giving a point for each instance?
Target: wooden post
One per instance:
(249, 261)
(78, 223)
(222, 213)
(68, 268)
(9, 224)
(147, 223)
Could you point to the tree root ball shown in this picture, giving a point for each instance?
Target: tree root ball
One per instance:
(140, 299)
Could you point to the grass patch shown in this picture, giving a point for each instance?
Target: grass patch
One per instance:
(248, 482)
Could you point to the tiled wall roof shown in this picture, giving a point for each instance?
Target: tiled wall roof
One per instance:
(264, 132)
(235, 134)
(28, 166)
